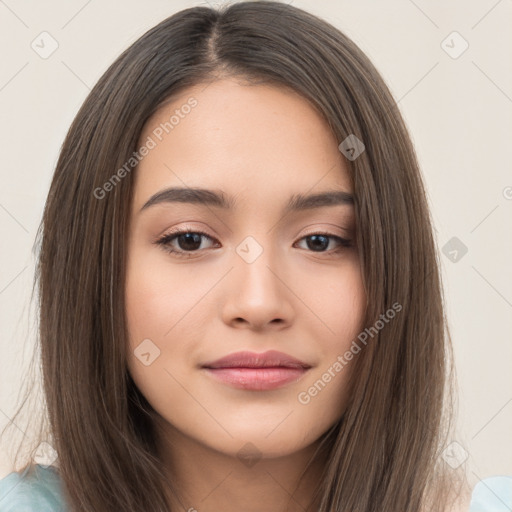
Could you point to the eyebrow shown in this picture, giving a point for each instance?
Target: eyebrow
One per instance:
(207, 197)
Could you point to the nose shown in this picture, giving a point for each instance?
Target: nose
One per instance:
(257, 293)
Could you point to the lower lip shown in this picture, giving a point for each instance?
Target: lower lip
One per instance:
(257, 379)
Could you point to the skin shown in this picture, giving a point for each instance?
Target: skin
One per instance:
(260, 144)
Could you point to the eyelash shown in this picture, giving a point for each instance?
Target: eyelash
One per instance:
(165, 240)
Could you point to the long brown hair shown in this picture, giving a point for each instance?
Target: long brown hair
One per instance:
(385, 453)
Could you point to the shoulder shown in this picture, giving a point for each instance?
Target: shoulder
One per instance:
(37, 488)
(493, 494)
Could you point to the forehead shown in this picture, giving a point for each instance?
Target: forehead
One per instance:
(244, 139)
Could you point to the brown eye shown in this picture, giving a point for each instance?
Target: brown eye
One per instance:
(183, 242)
(319, 242)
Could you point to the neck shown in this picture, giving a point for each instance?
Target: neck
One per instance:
(208, 480)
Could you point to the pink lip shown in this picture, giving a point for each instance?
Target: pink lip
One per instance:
(252, 371)
(253, 360)
(257, 379)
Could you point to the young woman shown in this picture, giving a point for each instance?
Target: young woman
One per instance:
(240, 300)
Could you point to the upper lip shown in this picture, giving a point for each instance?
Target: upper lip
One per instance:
(244, 359)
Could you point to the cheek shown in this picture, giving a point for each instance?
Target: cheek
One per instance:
(158, 296)
(149, 317)
(341, 308)
(156, 309)
(149, 312)
(339, 302)
(163, 313)
(347, 307)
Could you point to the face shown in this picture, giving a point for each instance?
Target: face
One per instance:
(254, 274)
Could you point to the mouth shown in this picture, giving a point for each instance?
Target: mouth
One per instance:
(257, 372)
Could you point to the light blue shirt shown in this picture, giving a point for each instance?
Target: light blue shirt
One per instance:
(39, 492)
(42, 492)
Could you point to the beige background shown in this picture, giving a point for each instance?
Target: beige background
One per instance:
(459, 112)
